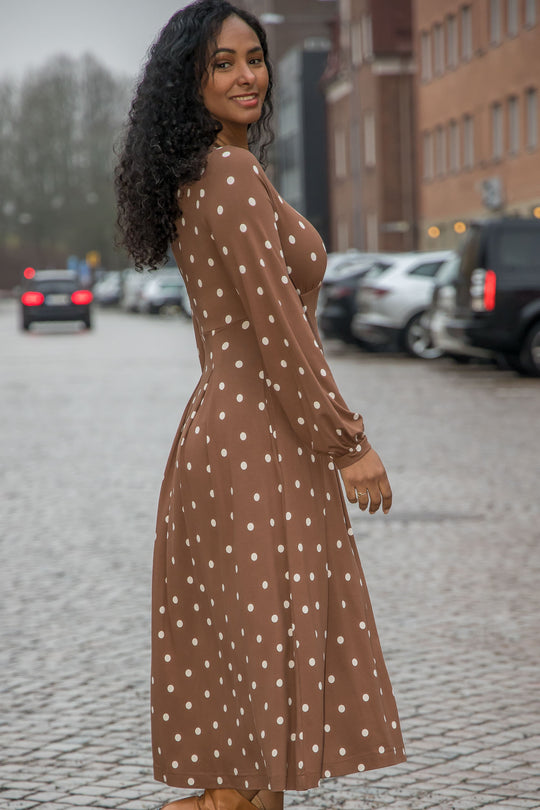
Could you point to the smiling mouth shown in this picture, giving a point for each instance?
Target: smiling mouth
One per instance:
(247, 97)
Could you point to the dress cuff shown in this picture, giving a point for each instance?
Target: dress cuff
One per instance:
(354, 455)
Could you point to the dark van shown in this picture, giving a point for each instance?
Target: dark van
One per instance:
(498, 291)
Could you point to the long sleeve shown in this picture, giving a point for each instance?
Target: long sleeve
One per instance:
(248, 240)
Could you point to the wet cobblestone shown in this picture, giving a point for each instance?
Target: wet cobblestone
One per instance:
(86, 424)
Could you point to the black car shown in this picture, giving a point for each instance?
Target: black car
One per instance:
(55, 295)
(498, 291)
(336, 305)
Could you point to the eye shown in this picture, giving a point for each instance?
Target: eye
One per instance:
(221, 65)
(257, 60)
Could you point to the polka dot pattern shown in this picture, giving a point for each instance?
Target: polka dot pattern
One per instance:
(258, 592)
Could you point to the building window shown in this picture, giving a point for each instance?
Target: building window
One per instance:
(367, 36)
(342, 235)
(356, 43)
(340, 154)
(466, 33)
(495, 27)
(438, 47)
(455, 156)
(532, 118)
(451, 41)
(513, 125)
(369, 139)
(468, 141)
(530, 12)
(497, 131)
(372, 232)
(426, 56)
(440, 151)
(512, 17)
(428, 156)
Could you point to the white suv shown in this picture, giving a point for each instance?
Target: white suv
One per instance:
(392, 301)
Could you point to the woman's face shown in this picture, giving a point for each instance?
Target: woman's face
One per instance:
(237, 80)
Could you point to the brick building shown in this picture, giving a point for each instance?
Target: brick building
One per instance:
(369, 92)
(477, 91)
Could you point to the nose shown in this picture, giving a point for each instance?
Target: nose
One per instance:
(246, 75)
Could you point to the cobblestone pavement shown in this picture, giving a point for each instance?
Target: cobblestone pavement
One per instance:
(86, 423)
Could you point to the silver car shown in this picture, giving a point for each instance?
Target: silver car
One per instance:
(442, 312)
(393, 299)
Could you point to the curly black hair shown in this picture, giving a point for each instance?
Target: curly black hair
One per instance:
(169, 131)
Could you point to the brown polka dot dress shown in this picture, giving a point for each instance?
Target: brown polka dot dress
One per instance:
(267, 670)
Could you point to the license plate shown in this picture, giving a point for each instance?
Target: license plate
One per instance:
(56, 299)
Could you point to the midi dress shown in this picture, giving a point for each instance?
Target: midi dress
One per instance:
(267, 671)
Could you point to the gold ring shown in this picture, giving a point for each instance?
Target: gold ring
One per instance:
(361, 493)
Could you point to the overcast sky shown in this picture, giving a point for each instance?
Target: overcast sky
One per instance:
(118, 32)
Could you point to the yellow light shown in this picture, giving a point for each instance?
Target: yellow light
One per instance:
(460, 227)
(536, 212)
(434, 232)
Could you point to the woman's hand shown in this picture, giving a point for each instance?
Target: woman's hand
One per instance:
(367, 478)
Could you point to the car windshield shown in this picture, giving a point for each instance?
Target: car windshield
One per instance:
(52, 285)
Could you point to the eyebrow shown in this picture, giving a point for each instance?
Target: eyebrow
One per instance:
(231, 50)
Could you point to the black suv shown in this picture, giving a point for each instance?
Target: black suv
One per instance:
(498, 291)
(55, 295)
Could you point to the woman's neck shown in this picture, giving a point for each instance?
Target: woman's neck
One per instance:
(233, 136)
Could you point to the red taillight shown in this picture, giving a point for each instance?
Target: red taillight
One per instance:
(483, 287)
(376, 291)
(32, 298)
(490, 285)
(81, 297)
(29, 272)
(339, 292)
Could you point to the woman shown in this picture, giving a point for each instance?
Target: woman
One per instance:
(267, 672)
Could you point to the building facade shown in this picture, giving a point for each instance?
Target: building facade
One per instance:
(477, 89)
(371, 139)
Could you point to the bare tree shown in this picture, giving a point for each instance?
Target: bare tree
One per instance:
(57, 130)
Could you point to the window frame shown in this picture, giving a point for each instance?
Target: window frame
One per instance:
(466, 33)
(514, 133)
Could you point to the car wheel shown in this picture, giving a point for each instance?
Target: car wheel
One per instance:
(88, 322)
(530, 351)
(25, 325)
(417, 339)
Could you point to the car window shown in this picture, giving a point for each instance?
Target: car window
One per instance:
(427, 269)
(518, 247)
(377, 269)
(54, 286)
(449, 270)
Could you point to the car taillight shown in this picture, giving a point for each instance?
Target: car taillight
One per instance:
(32, 298)
(339, 292)
(483, 289)
(377, 291)
(81, 297)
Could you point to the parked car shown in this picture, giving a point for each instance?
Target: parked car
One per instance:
(498, 291)
(442, 311)
(165, 292)
(392, 302)
(55, 295)
(108, 290)
(339, 263)
(337, 300)
(133, 282)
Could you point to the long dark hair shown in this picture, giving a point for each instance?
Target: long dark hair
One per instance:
(169, 131)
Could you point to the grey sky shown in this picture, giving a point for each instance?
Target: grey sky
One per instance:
(118, 32)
